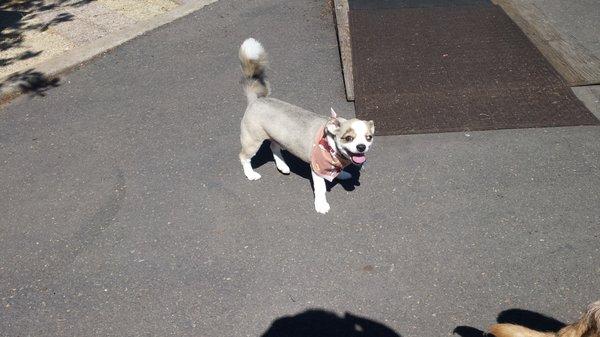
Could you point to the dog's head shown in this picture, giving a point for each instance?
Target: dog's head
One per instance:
(352, 137)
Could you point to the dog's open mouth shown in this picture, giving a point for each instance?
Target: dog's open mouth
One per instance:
(358, 158)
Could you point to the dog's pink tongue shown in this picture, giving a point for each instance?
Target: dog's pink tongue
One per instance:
(359, 159)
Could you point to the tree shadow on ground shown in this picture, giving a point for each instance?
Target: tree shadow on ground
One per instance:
(299, 167)
(321, 323)
(17, 19)
(526, 318)
(30, 82)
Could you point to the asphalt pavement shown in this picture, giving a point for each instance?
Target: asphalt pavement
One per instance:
(125, 211)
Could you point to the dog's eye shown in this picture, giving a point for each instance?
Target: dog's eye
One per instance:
(369, 137)
(348, 138)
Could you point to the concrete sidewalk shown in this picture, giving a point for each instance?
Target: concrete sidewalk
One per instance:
(34, 32)
(125, 211)
(575, 20)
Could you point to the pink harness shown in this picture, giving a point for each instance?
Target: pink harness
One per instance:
(324, 160)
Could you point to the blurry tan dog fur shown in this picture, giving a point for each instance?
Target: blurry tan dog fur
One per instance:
(586, 326)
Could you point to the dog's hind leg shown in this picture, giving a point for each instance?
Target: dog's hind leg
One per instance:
(279, 162)
(250, 146)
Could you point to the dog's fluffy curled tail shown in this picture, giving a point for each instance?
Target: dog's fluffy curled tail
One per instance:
(587, 326)
(254, 63)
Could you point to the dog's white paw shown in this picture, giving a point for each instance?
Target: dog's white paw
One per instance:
(322, 206)
(344, 175)
(283, 168)
(252, 175)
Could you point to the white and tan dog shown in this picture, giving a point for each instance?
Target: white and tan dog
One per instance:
(328, 144)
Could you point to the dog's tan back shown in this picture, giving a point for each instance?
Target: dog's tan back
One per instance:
(586, 326)
(513, 330)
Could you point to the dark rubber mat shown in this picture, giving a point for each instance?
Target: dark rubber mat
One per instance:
(381, 4)
(439, 69)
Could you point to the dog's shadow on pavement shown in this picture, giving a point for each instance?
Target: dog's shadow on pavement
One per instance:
(299, 167)
(321, 323)
(526, 318)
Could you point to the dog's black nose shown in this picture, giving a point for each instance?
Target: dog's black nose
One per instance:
(361, 147)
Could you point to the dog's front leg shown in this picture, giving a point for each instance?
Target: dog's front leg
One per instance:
(321, 204)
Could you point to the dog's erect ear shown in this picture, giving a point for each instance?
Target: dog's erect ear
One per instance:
(371, 126)
(333, 114)
(332, 126)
